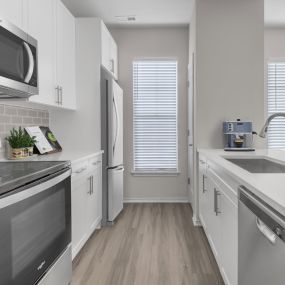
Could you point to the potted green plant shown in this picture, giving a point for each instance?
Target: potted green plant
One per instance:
(21, 144)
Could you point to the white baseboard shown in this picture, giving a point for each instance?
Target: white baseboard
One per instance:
(196, 222)
(157, 200)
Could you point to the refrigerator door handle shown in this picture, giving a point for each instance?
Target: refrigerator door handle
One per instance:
(120, 169)
(117, 124)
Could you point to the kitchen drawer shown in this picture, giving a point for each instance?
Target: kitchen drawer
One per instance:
(80, 168)
(95, 161)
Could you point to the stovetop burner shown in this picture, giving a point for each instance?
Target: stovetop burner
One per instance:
(14, 174)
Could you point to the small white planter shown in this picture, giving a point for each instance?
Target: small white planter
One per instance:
(20, 153)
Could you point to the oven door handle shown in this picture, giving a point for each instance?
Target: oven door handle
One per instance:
(33, 190)
(31, 63)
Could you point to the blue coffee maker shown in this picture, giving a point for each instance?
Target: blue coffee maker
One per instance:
(238, 136)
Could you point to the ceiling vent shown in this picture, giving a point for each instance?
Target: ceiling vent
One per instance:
(129, 18)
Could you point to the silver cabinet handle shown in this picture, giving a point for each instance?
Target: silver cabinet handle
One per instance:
(31, 63)
(80, 170)
(204, 188)
(216, 207)
(60, 95)
(271, 236)
(90, 185)
(96, 162)
(112, 65)
(57, 101)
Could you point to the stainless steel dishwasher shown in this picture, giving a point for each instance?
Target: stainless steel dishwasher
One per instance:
(261, 243)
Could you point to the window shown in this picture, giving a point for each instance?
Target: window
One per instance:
(276, 103)
(155, 116)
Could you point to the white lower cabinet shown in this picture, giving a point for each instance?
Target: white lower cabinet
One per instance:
(219, 217)
(86, 184)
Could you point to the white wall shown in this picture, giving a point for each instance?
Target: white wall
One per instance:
(152, 42)
(81, 129)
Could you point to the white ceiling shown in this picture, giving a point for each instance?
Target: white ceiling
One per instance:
(157, 12)
(147, 12)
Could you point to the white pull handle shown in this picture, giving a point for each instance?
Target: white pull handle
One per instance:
(266, 231)
(31, 63)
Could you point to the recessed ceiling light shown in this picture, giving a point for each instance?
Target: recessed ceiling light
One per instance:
(128, 18)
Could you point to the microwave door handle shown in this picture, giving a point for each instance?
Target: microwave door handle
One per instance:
(31, 63)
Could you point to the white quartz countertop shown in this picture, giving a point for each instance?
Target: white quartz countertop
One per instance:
(71, 155)
(270, 187)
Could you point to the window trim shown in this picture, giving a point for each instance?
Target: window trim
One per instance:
(157, 172)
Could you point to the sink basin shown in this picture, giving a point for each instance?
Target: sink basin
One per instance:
(258, 165)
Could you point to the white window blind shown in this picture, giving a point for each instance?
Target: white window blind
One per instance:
(155, 115)
(276, 103)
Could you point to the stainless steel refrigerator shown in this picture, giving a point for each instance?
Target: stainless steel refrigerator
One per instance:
(112, 144)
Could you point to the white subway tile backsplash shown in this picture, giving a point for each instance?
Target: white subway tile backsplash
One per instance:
(14, 117)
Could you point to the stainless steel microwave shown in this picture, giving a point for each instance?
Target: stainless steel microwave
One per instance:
(18, 63)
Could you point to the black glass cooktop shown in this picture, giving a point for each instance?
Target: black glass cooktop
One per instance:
(14, 174)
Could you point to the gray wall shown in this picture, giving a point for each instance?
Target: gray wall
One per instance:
(228, 37)
(133, 43)
(274, 43)
(230, 73)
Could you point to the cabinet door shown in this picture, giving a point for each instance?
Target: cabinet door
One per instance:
(12, 11)
(80, 187)
(95, 201)
(43, 12)
(65, 43)
(91, 206)
(114, 57)
(213, 216)
(229, 242)
(203, 194)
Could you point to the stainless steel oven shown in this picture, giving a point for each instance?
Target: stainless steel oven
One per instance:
(18, 62)
(35, 231)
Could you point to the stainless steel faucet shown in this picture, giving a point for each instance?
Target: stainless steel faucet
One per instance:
(264, 129)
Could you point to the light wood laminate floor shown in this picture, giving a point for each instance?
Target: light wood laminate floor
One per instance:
(150, 244)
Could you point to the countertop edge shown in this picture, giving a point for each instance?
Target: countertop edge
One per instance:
(216, 156)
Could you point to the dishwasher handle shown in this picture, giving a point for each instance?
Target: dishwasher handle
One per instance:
(270, 235)
(269, 221)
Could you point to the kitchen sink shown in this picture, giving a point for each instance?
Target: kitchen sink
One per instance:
(258, 165)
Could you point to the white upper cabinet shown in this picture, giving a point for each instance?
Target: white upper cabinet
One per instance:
(13, 11)
(65, 51)
(42, 11)
(114, 58)
(109, 51)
